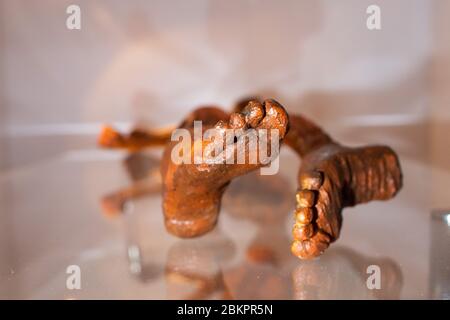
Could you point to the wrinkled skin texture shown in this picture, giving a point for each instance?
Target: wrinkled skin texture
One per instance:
(331, 176)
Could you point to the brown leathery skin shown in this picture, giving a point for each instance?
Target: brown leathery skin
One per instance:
(192, 193)
(343, 177)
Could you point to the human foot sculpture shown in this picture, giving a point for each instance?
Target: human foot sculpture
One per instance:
(330, 178)
(192, 192)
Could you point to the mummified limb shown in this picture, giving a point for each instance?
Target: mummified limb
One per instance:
(332, 177)
(304, 136)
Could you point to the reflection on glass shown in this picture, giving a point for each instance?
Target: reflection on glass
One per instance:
(342, 274)
(194, 267)
(214, 266)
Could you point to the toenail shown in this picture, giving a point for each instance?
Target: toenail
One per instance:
(305, 198)
(311, 180)
(304, 215)
(302, 232)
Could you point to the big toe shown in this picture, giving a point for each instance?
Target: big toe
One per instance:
(276, 117)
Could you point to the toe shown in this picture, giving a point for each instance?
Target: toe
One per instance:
(304, 216)
(302, 232)
(312, 180)
(237, 121)
(253, 113)
(276, 117)
(220, 125)
(305, 199)
(311, 248)
(221, 128)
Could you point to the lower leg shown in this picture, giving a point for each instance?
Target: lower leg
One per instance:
(304, 136)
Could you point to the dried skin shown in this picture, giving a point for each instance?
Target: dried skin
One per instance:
(192, 193)
(331, 176)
